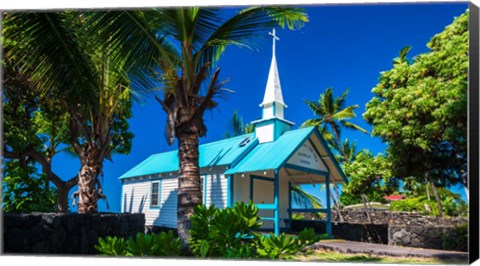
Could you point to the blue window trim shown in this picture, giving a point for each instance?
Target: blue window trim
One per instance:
(159, 182)
(290, 197)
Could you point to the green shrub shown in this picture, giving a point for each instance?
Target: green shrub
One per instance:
(283, 246)
(230, 233)
(450, 206)
(112, 246)
(223, 232)
(163, 244)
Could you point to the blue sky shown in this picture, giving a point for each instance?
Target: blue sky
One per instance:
(343, 46)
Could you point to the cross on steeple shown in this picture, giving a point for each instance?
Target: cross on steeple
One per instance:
(275, 38)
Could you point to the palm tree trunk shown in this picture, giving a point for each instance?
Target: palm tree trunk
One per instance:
(89, 190)
(189, 194)
(62, 198)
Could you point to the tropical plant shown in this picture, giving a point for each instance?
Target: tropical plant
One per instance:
(24, 190)
(420, 110)
(238, 127)
(177, 51)
(163, 244)
(55, 52)
(285, 247)
(223, 232)
(305, 199)
(370, 175)
(331, 115)
(348, 152)
(231, 233)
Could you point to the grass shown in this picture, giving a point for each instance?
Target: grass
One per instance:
(330, 256)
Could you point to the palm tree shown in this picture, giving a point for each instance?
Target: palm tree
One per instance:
(305, 199)
(54, 51)
(349, 149)
(176, 51)
(238, 127)
(331, 116)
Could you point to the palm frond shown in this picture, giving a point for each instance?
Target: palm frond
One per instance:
(246, 30)
(353, 126)
(305, 199)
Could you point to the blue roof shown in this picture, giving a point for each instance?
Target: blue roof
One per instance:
(272, 155)
(223, 152)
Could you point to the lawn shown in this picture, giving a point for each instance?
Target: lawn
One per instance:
(330, 256)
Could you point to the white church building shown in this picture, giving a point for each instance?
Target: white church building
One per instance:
(260, 166)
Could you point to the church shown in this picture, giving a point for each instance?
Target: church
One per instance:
(260, 166)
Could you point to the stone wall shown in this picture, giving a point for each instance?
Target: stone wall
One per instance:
(445, 237)
(65, 233)
(409, 229)
(397, 218)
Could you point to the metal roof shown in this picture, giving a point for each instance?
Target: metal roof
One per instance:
(271, 155)
(223, 152)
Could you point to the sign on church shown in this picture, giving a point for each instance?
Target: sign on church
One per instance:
(307, 157)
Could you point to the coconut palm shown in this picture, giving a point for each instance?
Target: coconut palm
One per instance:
(331, 115)
(305, 199)
(349, 149)
(177, 51)
(238, 127)
(55, 52)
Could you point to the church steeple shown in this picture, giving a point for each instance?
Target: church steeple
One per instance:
(273, 104)
(272, 125)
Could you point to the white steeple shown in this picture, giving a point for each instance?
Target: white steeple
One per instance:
(273, 124)
(273, 98)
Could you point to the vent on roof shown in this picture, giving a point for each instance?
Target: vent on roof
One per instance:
(244, 141)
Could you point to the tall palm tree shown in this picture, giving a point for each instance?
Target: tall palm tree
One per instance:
(331, 115)
(177, 50)
(55, 52)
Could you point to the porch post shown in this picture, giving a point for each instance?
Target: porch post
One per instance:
(276, 202)
(329, 210)
(230, 191)
(290, 205)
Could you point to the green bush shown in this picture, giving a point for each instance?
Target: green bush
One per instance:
(450, 206)
(230, 233)
(163, 244)
(223, 232)
(283, 246)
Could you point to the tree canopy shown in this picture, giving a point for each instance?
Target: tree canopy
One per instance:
(420, 109)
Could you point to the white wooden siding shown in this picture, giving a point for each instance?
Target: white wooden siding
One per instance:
(216, 191)
(136, 199)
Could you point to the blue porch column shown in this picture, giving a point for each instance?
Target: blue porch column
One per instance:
(276, 202)
(329, 210)
(290, 206)
(230, 191)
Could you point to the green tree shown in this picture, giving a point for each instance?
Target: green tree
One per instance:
(24, 190)
(34, 131)
(331, 115)
(369, 175)
(55, 52)
(180, 48)
(420, 110)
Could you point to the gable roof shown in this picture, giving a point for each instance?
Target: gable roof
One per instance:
(271, 155)
(223, 152)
